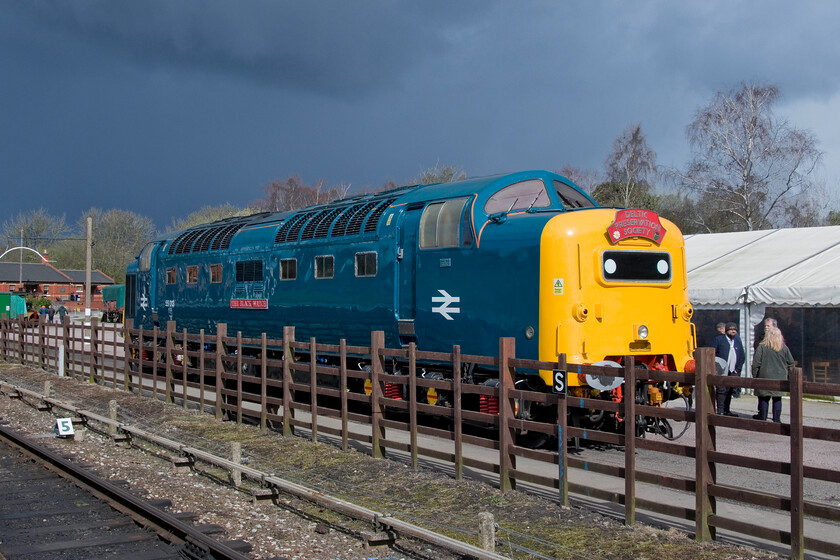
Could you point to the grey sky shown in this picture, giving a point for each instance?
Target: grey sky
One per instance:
(161, 107)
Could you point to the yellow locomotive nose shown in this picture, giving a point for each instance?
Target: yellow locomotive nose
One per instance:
(609, 291)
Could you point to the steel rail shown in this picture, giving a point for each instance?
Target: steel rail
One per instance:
(166, 525)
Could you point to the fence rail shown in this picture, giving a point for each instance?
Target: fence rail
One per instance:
(372, 394)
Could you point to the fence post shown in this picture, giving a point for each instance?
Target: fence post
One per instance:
(629, 441)
(377, 411)
(264, 383)
(184, 362)
(127, 328)
(342, 372)
(412, 403)
(288, 358)
(94, 348)
(202, 342)
(458, 435)
(21, 339)
(705, 470)
(507, 434)
(221, 333)
(562, 436)
(170, 336)
(155, 361)
(42, 327)
(239, 406)
(797, 499)
(313, 388)
(65, 341)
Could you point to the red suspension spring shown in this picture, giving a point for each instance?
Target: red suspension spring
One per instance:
(488, 404)
(393, 391)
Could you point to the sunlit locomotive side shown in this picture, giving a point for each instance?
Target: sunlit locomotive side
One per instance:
(526, 255)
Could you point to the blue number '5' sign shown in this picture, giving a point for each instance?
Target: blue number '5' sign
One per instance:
(64, 426)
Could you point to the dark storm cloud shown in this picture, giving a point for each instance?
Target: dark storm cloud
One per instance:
(161, 107)
(332, 47)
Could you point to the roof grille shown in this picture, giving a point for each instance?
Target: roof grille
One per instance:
(175, 243)
(341, 222)
(222, 240)
(355, 225)
(203, 243)
(324, 227)
(309, 230)
(186, 243)
(373, 219)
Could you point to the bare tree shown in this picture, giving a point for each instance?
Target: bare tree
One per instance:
(587, 179)
(291, 194)
(629, 170)
(749, 163)
(40, 231)
(438, 174)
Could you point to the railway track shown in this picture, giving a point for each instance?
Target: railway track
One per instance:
(47, 511)
(386, 528)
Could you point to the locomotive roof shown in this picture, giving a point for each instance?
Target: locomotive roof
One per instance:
(348, 216)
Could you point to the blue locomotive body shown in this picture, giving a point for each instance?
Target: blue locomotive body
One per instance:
(437, 265)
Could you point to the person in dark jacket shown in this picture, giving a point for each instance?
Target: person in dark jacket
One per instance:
(730, 348)
(772, 360)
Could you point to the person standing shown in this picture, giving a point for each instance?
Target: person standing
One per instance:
(62, 311)
(772, 360)
(730, 348)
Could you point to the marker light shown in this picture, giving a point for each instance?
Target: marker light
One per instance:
(642, 332)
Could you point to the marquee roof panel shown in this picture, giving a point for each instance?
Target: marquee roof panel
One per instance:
(794, 266)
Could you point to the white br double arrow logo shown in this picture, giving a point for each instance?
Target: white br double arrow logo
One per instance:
(446, 300)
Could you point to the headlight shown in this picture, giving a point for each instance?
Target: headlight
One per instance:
(642, 332)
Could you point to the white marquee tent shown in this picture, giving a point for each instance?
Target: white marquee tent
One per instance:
(750, 270)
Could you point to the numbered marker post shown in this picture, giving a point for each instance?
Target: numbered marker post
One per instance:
(64, 427)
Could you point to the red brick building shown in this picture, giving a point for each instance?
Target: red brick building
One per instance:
(44, 280)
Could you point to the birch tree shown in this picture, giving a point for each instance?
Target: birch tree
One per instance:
(749, 163)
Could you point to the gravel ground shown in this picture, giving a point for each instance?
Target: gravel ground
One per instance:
(299, 529)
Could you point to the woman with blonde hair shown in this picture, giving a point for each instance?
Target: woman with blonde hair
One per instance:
(772, 360)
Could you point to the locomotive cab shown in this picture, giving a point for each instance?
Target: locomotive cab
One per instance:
(613, 284)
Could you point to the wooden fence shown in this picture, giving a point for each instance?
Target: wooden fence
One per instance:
(287, 384)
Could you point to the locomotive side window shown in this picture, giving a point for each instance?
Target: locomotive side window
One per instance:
(288, 269)
(170, 275)
(324, 266)
(365, 264)
(192, 275)
(571, 197)
(249, 271)
(215, 273)
(440, 224)
(636, 266)
(518, 196)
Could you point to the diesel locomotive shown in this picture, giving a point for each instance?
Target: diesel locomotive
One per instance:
(527, 255)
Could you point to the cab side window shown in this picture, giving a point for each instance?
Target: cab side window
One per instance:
(518, 196)
(571, 197)
(440, 224)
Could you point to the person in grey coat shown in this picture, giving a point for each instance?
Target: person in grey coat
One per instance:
(772, 360)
